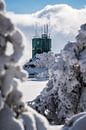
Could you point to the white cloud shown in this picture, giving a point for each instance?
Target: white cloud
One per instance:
(64, 22)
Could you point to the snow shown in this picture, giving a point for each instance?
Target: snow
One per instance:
(31, 89)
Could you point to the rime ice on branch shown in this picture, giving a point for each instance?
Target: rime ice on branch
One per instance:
(11, 74)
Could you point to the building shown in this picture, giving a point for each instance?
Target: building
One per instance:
(41, 44)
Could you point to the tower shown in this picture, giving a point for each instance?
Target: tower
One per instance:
(41, 44)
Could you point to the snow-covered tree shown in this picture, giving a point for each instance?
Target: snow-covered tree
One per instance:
(65, 94)
(39, 65)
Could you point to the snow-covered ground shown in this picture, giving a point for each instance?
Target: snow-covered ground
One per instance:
(31, 89)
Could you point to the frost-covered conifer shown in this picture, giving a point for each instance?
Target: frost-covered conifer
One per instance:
(65, 94)
(39, 65)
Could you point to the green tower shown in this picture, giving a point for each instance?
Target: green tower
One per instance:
(41, 44)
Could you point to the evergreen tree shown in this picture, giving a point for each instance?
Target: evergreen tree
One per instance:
(64, 95)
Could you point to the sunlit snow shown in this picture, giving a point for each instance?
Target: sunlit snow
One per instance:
(31, 89)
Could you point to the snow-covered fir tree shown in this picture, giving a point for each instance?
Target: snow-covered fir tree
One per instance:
(39, 65)
(65, 94)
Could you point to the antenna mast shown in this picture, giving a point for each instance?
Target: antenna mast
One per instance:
(36, 31)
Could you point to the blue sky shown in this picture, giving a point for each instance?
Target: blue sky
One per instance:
(64, 20)
(30, 6)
